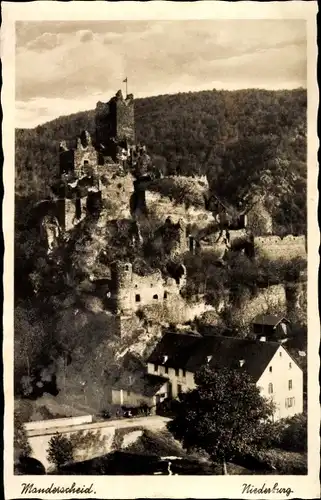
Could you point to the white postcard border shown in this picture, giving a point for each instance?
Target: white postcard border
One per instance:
(160, 486)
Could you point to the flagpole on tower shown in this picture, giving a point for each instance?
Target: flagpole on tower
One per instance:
(126, 81)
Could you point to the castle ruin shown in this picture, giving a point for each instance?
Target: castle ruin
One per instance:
(130, 291)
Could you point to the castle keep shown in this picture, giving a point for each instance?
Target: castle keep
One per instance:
(81, 168)
(115, 126)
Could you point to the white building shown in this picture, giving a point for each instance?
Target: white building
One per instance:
(178, 356)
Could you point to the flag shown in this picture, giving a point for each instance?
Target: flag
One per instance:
(125, 81)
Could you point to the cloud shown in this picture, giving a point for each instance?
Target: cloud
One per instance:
(74, 60)
(37, 111)
(85, 35)
(44, 42)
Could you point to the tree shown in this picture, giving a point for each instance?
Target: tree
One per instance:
(20, 441)
(223, 416)
(60, 450)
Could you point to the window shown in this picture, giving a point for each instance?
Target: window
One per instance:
(290, 365)
(166, 369)
(270, 369)
(137, 297)
(270, 388)
(280, 354)
(176, 372)
(156, 368)
(184, 373)
(289, 402)
(126, 267)
(290, 385)
(179, 388)
(155, 296)
(165, 295)
(86, 163)
(128, 393)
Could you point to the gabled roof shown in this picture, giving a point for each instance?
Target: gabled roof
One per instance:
(190, 352)
(269, 320)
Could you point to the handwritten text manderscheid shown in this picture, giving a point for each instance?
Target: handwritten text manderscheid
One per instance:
(28, 488)
(265, 490)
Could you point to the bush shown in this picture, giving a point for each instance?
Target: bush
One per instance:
(290, 434)
(285, 462)
(60, 450)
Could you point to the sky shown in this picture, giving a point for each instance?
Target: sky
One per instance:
(66, 67)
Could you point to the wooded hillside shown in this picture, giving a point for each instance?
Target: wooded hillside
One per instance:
(245, 141)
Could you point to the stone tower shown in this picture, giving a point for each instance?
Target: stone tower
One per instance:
(115, 125)
(121, 277)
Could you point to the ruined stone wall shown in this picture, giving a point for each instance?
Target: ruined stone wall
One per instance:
(162, 206)
(85, 157)
(66, 161)
(117, 190)
(131, 292)
(275, 248)
(147, 290)
(71, 212)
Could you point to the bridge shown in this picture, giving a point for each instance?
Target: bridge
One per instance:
(40, 433)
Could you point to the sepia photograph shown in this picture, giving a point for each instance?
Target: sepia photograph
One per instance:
(160, 251)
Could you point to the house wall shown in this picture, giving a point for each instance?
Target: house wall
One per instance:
(185, 381)
(129, 398)
(284, 369)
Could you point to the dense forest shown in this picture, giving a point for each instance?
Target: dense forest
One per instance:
(245, 141)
